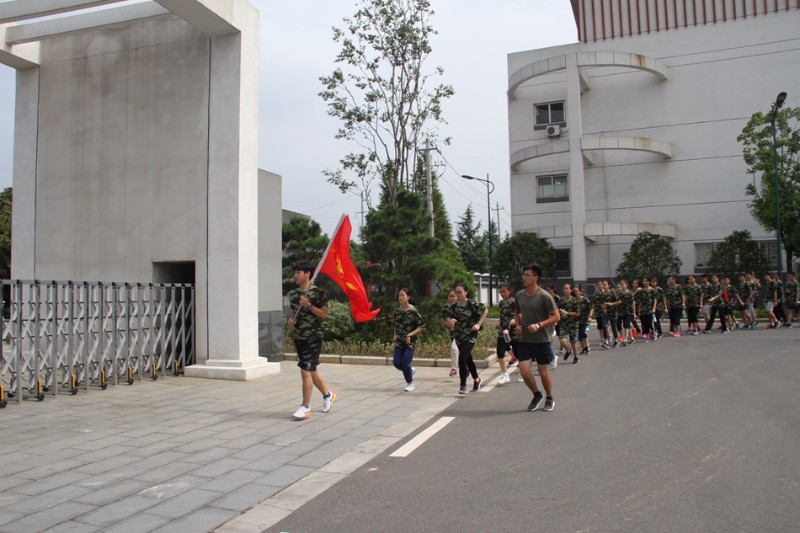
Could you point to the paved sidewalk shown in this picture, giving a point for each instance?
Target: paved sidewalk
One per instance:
(190, 455)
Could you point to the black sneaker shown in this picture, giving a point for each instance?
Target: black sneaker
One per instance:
(536, 402)
(476, 385)
(566, 355)
(549, 403)
(576, 360)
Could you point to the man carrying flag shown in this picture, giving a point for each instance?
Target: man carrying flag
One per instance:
(308, 303)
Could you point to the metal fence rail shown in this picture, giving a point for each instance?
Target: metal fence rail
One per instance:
(61, 336)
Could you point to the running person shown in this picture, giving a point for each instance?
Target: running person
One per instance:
(692, 297)
(445, 313)
(308, 303)
(466, 317)
(408, 325)
(585, 310)
(660, 307)
(674, 298)
(506, 327)
(534, 314)
(570, 313)
(645, 302)
(626, 312)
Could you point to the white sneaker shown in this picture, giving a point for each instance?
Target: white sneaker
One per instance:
(413, 370)
(302, 413)
(410, 387)
(554, 364)
(520, 380)
(503, 379)
(327, 401)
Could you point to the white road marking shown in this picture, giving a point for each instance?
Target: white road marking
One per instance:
(417, 441)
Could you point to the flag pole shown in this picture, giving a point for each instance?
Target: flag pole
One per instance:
(327, 248)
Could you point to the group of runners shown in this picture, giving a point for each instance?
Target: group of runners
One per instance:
(529, 320)
(532, 317)
(627, 312)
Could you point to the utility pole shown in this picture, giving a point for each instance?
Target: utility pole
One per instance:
(429, 181)
(498, 209)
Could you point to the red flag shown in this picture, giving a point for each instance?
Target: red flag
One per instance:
(337, 265)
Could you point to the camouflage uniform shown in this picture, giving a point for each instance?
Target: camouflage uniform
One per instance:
(585, 310)
(466, 317)
(406, 321)
(693, 295)
(626, 307)
(645, 299)
(674, 293)
(569, 323)
(792, 288)
(659, 307)
(674, 296)
(506, 316)
(307, 326)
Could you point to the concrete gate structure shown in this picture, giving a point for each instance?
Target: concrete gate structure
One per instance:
(135, 159)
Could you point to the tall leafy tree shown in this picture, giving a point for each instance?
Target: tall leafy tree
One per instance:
(382, 94)
(518, 251)
(738, 253)
(396, 236)
(470, 242)
(756, 137)
(5, 233)
(650, 255)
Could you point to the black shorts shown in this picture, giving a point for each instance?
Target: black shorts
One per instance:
(541, 352)
(601, 323)
(308, 353)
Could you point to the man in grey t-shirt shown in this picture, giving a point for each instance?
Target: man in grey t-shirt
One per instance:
(535, 314)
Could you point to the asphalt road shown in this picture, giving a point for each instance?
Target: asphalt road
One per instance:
(685, 434)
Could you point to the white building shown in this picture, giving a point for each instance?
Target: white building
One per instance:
(634, 127)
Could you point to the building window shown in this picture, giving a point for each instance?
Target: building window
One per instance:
(563, 264)
(702, 256)
(550, 113)
(551, 189)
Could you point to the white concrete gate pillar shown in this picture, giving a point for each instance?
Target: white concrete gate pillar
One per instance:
(119, 77)
(233, 207)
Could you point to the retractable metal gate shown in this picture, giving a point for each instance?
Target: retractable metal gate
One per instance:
(63, 336)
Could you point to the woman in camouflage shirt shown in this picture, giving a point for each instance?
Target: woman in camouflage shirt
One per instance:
(466, 318)
(407, 326)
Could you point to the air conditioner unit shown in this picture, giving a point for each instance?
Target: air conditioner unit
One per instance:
(553, 131)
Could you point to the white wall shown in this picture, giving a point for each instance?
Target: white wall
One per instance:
(718, 75)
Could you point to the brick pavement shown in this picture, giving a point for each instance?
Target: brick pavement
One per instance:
(186, 454)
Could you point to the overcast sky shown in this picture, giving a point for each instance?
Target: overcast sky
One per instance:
(297, 136)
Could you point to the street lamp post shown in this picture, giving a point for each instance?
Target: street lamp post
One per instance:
(488, 224)
(775, 107)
